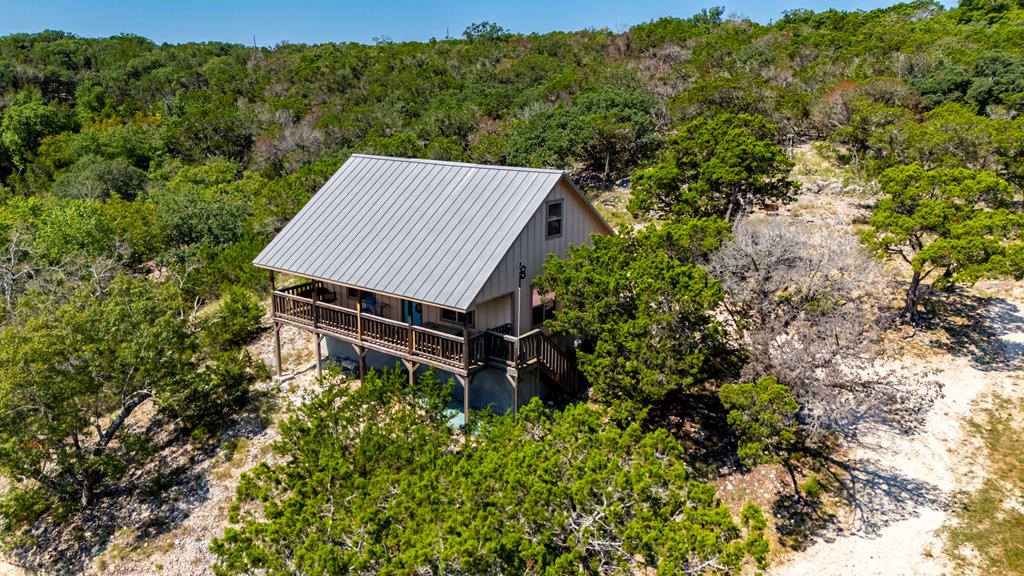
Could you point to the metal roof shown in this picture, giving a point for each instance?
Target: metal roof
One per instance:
(424, 230)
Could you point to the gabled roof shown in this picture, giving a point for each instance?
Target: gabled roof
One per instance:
(424, 230)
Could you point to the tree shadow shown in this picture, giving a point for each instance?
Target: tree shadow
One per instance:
(977, 328)
(149, 502)
(799, 520)
(698, 420)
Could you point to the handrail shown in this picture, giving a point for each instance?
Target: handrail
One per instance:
(436, 346)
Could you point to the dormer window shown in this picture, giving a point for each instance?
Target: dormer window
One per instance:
(554, 219)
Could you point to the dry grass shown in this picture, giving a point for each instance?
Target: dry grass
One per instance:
(988, 523)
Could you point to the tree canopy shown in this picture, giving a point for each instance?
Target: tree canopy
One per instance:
(722, 166)
(642, 305)
(949, 225)
(369, 482)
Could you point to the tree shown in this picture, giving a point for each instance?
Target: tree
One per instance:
(236, 322)
(809, 305)
(606, 129)
(25, 124)
(950, 225)
(204, 124)
(484, 32)
(368, 482)
(763, 414)
(73, 371)
(71, 375)
(644, 315)
(720, 166)
(96, 178)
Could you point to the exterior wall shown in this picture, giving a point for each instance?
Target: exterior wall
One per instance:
(532, 248)
(489, 314)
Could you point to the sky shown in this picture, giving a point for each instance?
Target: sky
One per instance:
(296, 21)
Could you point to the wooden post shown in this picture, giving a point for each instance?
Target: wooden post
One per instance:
(359, 316)
(362, 362)
(316, 339)
(465, 381)
(465, 341)
(513, 379)
(277, 347)
(411, 334)
(273, 285)
(411, 367)
(313, 298)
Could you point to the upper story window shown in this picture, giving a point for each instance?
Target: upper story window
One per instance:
(554, 219)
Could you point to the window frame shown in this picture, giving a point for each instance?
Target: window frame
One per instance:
(548, 219)
(457, 317)
(546, 307)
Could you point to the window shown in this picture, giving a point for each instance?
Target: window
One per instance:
(353, 293)
(542, 305)
(456, 317)
(554, 219)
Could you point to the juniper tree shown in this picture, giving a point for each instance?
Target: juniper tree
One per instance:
(949, 225)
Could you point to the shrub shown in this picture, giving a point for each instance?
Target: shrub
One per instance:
(236, 322)
(763, 415)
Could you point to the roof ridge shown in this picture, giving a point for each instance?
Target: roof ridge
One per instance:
(461, 164)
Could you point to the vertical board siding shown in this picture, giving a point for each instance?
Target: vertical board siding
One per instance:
(532, 248)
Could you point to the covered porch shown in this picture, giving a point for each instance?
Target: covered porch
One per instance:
(410, 332)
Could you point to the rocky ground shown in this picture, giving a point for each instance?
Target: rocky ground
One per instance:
(905, 484)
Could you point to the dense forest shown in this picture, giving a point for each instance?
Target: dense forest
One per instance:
(138, 181)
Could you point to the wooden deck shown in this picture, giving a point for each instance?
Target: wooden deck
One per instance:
(459, 354)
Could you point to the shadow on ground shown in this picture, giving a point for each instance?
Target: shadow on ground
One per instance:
(976, 327)
(148, 503)
(698, 420)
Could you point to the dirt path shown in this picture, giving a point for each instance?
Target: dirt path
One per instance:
(904, 483)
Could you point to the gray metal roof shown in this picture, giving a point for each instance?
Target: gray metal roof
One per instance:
(424, 230)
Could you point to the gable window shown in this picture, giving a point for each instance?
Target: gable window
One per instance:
(542, 306)
(456, 317)
(554, 219)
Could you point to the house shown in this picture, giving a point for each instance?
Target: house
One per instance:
(431, 264)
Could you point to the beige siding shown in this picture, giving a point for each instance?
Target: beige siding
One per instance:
(532, 247)
(494, 313)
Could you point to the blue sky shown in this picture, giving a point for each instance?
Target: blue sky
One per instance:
(299, 21)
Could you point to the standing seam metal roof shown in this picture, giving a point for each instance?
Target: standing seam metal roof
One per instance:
(425, 230)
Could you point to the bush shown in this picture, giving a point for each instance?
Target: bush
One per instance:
(236, 322)
(763, 414)
(368, 483)
(222, 387)
(812, 487)
(19, 509)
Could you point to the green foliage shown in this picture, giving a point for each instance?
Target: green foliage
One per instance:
(71, 374)
(204, 124)
(235, 322)
(721, 166)
(96, 178)
(20, 508)
(370, 483)
(812, 487)
(605, 129)
(763, 413)
(950, 225)
(24, 126)
(218, 392)
(642, 306)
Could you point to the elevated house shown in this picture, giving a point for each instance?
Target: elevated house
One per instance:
(431, 264)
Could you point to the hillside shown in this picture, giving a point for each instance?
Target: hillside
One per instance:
(803, 345)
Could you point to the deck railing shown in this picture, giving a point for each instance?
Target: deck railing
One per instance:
(496, 346)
